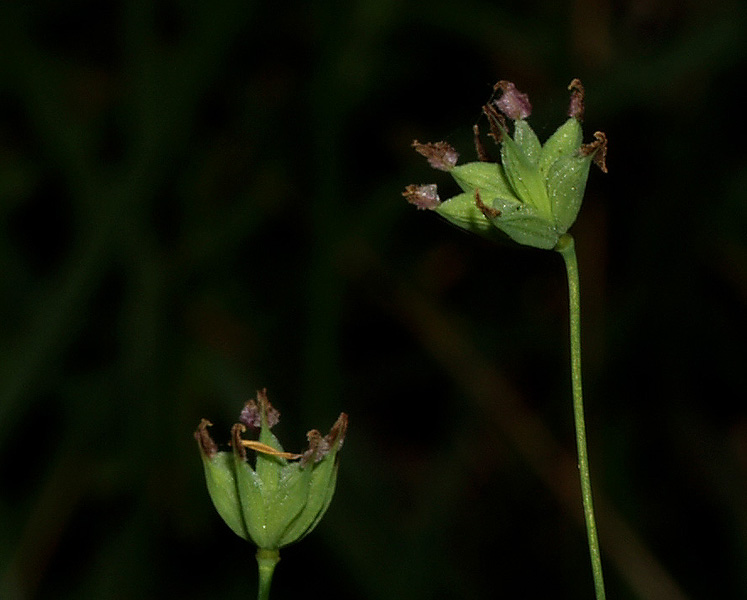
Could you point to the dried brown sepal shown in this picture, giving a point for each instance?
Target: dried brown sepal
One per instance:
(482, 154)
(207, 446)
(440, 155)
(236, 441)
(488, 211)
(512, 103)
(496, 121)
(597, 149)
(576, 106)
(425, 197)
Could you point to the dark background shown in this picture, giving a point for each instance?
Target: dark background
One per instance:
(201, 199)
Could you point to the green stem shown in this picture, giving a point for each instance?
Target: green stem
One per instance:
(266, 560)
(567, 249)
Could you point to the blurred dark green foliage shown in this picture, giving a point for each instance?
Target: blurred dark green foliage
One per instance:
(202, 199)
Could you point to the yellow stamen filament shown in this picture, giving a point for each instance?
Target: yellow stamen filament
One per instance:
(265, 449)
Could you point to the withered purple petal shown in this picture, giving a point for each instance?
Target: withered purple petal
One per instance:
(512, 102)
(250, 415)
(440, 155)
(425, 197)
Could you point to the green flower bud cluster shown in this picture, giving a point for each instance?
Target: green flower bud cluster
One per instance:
(533, 194)
(282, 496)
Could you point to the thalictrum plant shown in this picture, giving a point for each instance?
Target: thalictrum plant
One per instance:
(280, 497)
(531, 195)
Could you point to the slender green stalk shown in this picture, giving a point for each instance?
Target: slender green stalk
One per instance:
(567, 249)
(266, 560)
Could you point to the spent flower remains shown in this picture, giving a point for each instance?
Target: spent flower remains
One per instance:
(279, 497)
(533, 194)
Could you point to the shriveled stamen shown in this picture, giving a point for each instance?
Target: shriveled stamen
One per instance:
(313, 454)
(207, 445)
(496, 121)
(265, 449)
(488, 211)
(576, 106)
(482, 154)
(597, 149)
(236, 441)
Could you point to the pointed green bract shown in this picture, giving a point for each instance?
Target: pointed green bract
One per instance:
(489, 178)
(251, 491)
(565, 141)
(566, 180)
(321, 487)
(524, 224)
(289, 502)
(525, 177)
(527, 140)
(269, 468)
(462, 211)
(221, 484)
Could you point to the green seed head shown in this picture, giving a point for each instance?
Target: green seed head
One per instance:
(282, 496)
(533, 194)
